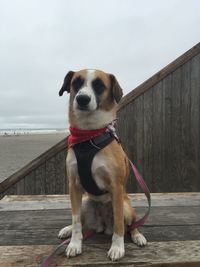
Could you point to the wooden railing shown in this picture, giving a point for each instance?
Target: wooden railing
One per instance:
(44, 175)
(159, 125)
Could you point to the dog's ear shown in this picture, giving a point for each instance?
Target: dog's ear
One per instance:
(116, 88)
(66, 83)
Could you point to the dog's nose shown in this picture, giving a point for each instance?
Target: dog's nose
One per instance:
(83, 100)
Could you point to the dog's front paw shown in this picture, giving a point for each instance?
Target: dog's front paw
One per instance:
(65, 232)
(116, 252)
(139, 239)
(74, 248)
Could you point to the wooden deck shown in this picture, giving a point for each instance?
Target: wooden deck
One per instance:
(29, 226)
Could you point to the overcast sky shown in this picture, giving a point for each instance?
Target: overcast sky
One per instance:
(41, 40)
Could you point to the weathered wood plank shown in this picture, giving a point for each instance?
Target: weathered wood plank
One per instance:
(156, 254)
(40, 179)
(50, 167)
(160, 216)
(180, 128)
(29, 184)
(185, 138)
(60, 173)
(139, 129)
(169, 226)
(48, 236)
(148, 135)
(131, 145)
(40, 202)
(20, 187)
(176, 132)
(195, 123)
(167, 178)
(127, 134)
(157, 128)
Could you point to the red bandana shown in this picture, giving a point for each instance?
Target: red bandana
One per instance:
(77, 136)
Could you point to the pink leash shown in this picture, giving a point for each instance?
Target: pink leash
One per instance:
(145, 189)
(46, 262)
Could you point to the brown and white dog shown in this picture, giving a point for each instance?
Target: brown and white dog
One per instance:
(94, 96)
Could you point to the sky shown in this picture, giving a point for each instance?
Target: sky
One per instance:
(41, 40)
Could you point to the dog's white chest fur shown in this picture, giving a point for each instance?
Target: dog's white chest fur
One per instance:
(100, 168)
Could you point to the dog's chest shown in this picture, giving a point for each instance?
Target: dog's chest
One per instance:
(100, 168)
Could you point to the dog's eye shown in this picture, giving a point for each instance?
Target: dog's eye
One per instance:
(98, 86)
(77, 83)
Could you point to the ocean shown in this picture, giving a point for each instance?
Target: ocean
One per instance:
(24, 131)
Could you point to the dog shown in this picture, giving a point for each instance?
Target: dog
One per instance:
(94, 97)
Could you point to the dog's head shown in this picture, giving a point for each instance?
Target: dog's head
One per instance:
(91, 90)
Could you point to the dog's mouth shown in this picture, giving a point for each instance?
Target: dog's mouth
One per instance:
(83, 108)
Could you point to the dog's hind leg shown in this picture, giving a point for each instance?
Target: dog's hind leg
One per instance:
(130, 217)
(138, 238)
(91, 215)
(65, 232)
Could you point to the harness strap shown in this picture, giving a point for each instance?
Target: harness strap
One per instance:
(85, 153)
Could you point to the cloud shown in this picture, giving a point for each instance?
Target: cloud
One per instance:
(42, 40)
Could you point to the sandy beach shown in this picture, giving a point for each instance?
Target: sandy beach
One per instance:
(16, 151)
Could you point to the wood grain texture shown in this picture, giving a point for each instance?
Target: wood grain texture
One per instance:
(21, 187)
(157, 134)
(148, 139)
(22, 222)
(46, 202)
(40, 179)
(168, 133)
(129, 141)
(176, 132)
(195, 122)
(139, 135)
(28, 236)
(139, 122)
(167, 178)
(29, 184)
(186, 151)
(61, 186)
(50, 167)
(156, 254)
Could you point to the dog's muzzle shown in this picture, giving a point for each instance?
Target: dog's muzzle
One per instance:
(83, 101)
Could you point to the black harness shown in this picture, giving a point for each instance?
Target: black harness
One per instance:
(85, 153)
